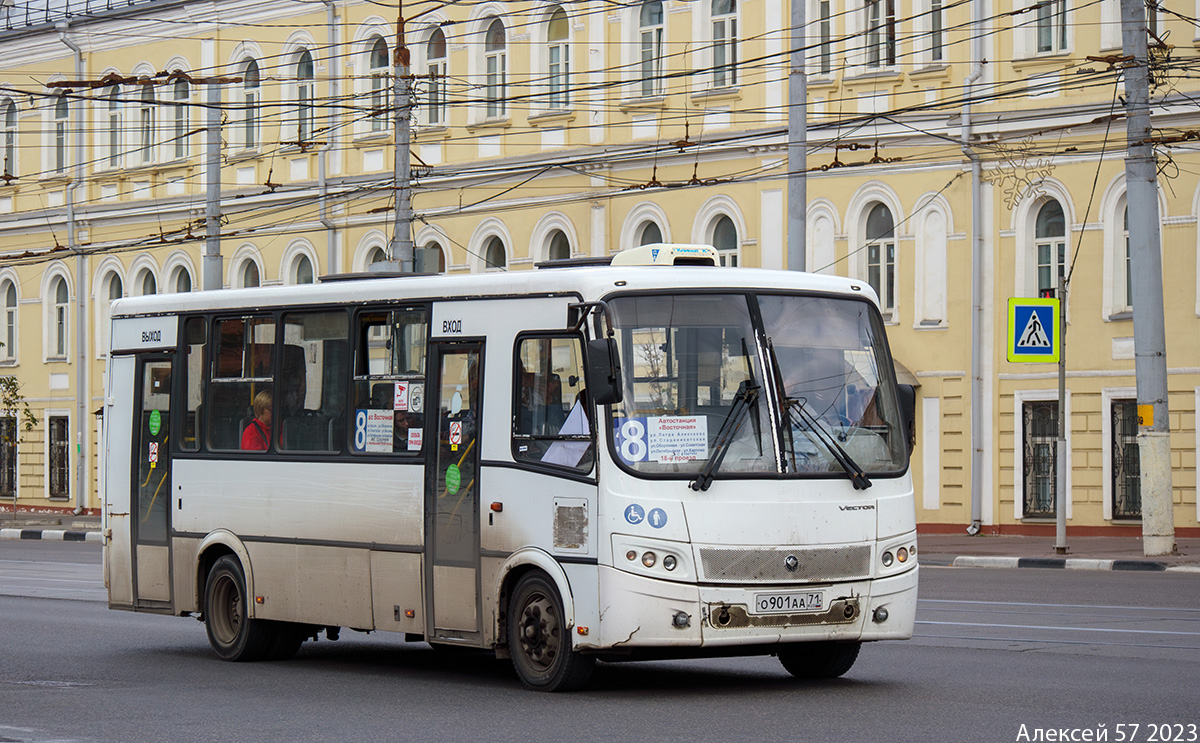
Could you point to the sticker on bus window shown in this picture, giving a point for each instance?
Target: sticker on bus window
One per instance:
(414, 439)
(662, 439)
(400, 401)
(373, 430)
(416, 397)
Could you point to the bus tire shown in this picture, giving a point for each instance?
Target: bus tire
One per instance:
(234, 636)
(819, 660)
(539, 640)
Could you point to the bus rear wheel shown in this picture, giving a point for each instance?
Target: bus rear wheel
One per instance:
(539, 639)
(819, 660)
(231, 632)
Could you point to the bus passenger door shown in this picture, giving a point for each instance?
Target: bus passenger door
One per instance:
(452, 495)
(150, 504)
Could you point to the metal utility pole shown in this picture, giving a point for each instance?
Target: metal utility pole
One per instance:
(212, 272)
(797, 159)
(402, 244)
(1061, 456)
(1149, 328)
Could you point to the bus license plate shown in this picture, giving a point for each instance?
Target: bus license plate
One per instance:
(794, 602)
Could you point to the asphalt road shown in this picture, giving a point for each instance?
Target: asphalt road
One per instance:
(995, 649)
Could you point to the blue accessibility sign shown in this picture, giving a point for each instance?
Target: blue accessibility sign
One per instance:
(635, 514)
(658, 518)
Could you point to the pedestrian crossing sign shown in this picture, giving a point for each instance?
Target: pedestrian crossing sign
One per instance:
(1033, 330)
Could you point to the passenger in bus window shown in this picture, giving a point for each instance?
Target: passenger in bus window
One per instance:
(257, 436)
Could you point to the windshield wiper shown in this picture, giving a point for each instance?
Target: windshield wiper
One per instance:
(745, 397)
(798, 408)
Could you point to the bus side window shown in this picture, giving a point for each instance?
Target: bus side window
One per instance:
(195, 336)
(551, 415)
(243, 367)
(313, 367)
(389, 381)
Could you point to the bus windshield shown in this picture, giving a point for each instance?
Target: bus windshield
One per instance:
(809, 391)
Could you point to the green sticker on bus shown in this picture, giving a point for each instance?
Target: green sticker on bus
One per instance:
(453, 479)
(155, 422)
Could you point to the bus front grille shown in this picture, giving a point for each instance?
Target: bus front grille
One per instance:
(784, 565)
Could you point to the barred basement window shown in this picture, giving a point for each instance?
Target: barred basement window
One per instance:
(58, 466)
(1040, 426)
(1126, 461)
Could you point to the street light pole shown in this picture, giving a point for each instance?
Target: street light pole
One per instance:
(797, 159)
(402, 244)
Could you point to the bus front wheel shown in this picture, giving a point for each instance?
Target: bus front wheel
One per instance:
(819, 660)
(231, 632)
(539, 639)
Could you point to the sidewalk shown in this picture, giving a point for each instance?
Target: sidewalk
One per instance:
(956, 550)
(1083, 553)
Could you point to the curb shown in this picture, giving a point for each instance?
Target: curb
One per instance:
(1067, 563)
(62, 535)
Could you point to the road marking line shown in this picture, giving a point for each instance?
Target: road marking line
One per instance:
(1063, 629)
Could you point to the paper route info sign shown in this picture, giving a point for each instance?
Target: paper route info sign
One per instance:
(662, 439)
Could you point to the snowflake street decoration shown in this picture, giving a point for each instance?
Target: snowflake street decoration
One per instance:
(1019, 173)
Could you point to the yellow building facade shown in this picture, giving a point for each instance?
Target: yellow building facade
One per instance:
(544, 130)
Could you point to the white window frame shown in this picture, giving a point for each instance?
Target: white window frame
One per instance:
(181, 95)
(57, 335)
(724, 51)
(883, 245)
(147, 124)
(649, 50)
(495, 72)
(47, 448)
(1108, 396)
(306, 89)
(823, 62)
(880, 44)
(102, 301)
(1020, 397)
(436, 109)
(1050, 27)
(8, 158)
(10, 351)
(558, 63)
(250, 126)
(379, 83)
(114, 132)
(61, 124)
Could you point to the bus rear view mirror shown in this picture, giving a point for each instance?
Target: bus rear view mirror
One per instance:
(603, 371)
(908, 413)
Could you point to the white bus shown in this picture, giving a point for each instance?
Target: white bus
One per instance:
(563, 465)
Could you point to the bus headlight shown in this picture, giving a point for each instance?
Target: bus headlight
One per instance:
(669, 562)
(649, 558)
(887, 559)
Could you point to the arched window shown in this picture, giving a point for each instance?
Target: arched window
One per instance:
(435, 61)
(650, 26)
(380, 84)
(1050, 241)
(10, 138)
(303, 270)
(495, 61)
(60, 319)
(560, 246)
(649, 233)
(62, 116)
(725, 240)
(250, 274)
(724, 39)
(116, 290)
(146, 125)
(558, 58)
(147, 284)
(376, 255)
(250, 101)
(881, 255)
(434, 259)
(9, 352)
(1128, 304)
(181, 92)
(113, 104)
(305, 83)
(183, 280)
(494, 255)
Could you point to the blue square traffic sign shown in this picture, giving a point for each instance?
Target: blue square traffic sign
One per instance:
(1033, 330)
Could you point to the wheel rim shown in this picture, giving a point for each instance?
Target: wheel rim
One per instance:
(226, 610)
(540, 632)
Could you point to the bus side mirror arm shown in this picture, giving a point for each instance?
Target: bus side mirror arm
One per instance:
(603, 372)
